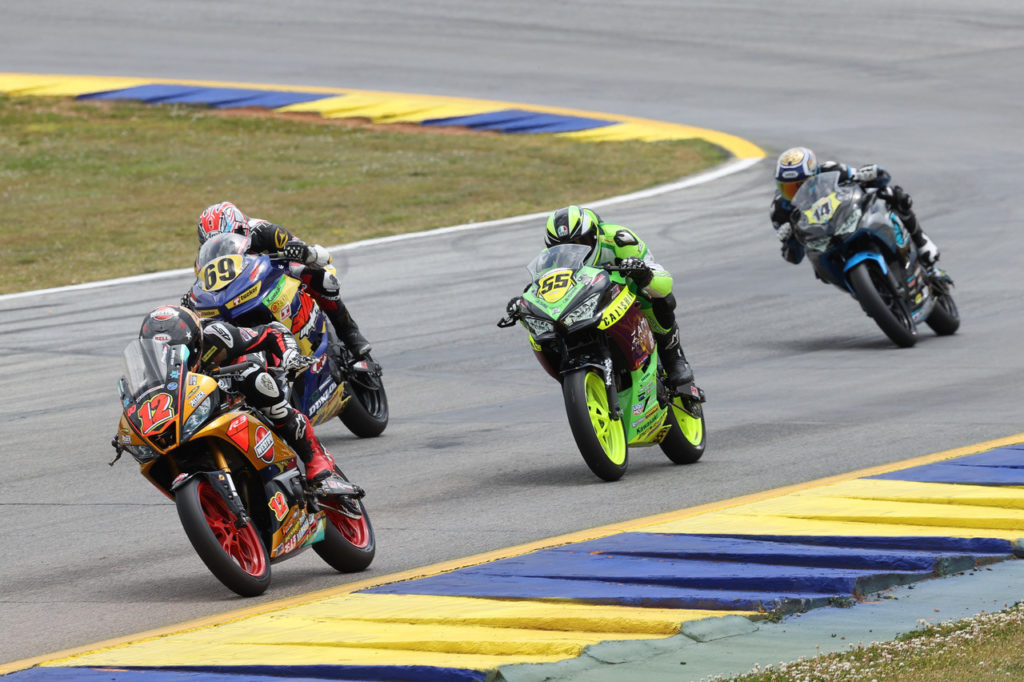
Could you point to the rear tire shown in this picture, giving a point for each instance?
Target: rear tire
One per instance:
(685, 441)
(349, 545)
(882, 304)
(236, 556)
(944, 318)
(601, 439)
(366, 413)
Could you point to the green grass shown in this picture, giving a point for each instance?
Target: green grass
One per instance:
(93, 190)
(983, 648)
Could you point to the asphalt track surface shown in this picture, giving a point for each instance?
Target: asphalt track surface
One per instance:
(478, 457)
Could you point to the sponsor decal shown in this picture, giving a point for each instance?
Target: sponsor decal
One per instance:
(197, 398)
(208, 313)
(173, 385)
(638, 409)
(614, 312)
(264, 447)
(192, 380)
(163, 313)
(221, 332)
(245, 296)
(318, 364)
(164, 338)
(238, 432)
(324, 397)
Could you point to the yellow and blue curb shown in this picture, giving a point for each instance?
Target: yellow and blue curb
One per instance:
(695, 571)
(375, 106)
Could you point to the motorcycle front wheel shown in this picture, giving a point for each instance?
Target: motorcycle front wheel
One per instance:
(235, 556)
(944, 318)
(600, 438)
(877, 298)
(366, 413)
(684, 443)
(349, 544)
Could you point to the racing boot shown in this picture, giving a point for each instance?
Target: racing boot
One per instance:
(672, 358)
(299, 434)
(926, 249)
(348, 330)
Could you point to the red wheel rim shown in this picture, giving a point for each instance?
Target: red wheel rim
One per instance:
(355, 531)
(241, 544)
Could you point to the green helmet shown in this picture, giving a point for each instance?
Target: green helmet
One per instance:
(572, 225)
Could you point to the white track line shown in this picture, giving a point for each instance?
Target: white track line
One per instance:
(699, 179)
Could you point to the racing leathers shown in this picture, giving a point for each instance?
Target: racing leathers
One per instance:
(618, 245)
(269, 345)
(319, 276)
(872, 176)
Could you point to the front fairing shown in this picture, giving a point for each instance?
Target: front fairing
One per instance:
(565, 293)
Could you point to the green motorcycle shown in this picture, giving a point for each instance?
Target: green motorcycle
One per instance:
(588, 331)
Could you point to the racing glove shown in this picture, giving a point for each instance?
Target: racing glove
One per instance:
(296, 251)
(295, 362)
(637, 270)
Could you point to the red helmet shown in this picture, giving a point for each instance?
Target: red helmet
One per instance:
(222, 217)
(175, 325)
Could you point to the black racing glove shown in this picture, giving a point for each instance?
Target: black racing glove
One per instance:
(637, 270)
(186, 300)
(296, 251)
(513, 307)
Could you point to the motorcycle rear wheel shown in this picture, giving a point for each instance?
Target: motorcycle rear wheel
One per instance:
(882, 304)
(686, 438)
(235, 556)
(366, 413)
(945, 317)
(349, 544)
(601, 439)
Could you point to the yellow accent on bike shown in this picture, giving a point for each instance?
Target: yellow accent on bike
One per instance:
(283, 298)
(822, 210)
(617, 308)
(220, 272)
(533, 344)
(246, 295)
(554, 285)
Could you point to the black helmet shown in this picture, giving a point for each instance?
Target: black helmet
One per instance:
(175, 325)
(571, 225)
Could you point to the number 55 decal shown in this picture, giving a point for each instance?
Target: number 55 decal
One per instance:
(554, 285)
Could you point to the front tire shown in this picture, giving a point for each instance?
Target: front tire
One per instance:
(686, 438)
(349, 545)
(601, 439)
(366, 413)
(882, 304)
(945, 317)
(235, 556)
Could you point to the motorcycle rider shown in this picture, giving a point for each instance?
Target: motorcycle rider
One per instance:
(797, 164)
(320, 275)
(613, 244)
(216, 343)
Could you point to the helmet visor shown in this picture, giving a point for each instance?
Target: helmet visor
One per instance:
(788, 189)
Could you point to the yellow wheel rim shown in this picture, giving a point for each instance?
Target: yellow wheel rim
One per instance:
(608, 431)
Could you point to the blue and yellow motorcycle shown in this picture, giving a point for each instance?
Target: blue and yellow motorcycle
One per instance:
(249, 289)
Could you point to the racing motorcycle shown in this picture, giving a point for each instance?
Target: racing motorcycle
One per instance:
(240, 496)
(857, 243)
(250, 289)
(588, 331)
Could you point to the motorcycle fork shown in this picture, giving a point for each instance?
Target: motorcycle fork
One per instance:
(604, 365)
(225, 485)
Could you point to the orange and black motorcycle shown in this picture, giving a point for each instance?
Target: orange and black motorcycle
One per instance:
(240, 494)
